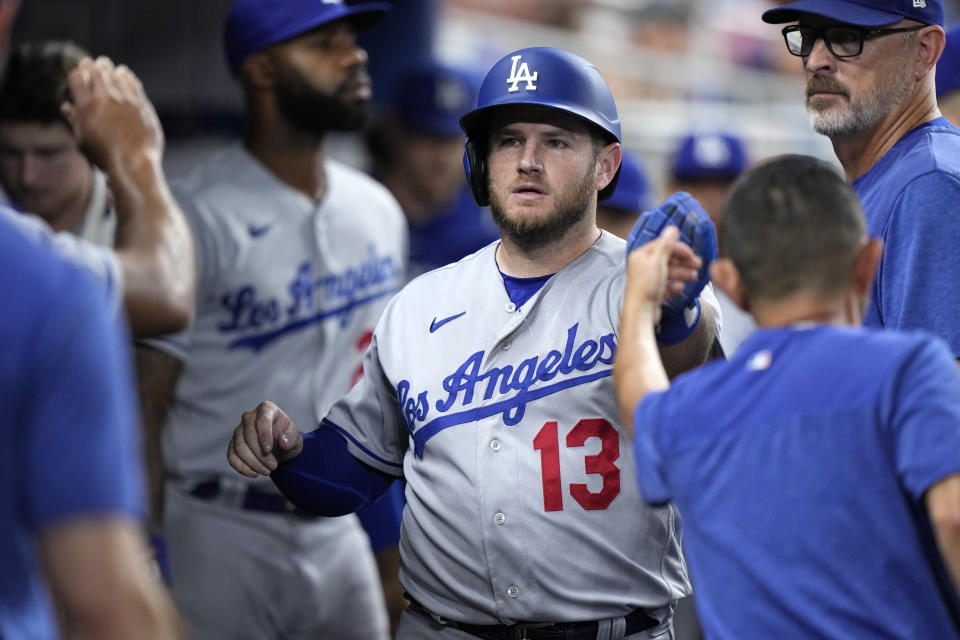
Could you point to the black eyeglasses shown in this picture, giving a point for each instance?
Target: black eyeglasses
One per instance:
(842, 42)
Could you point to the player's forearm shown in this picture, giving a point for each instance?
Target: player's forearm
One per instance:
(154, 246)
(637, 369)
(943, 505)
(157, 375)
(695, 349)
(325, 479)
(100, 585)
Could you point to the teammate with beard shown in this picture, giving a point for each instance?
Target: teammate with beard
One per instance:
(488, 387)
(869, 68)
(297, 256)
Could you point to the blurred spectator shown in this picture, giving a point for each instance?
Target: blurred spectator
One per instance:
(705, 165)
(618, 213)
(948, 77)
(417, 152)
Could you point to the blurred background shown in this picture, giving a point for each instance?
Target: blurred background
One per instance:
(675, 66)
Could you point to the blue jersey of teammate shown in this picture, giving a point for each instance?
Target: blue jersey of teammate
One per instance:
(446, 238)
(910, 199)
(799, 469)
(68, 436)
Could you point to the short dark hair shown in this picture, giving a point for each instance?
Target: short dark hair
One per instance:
(792, 224)
(35, 84)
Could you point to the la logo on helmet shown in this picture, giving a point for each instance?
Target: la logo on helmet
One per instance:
(521, 74)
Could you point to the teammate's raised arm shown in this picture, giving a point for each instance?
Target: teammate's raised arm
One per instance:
(116, 125)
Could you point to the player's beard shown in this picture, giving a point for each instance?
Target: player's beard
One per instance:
(845, 115)
(571, 209)
(313, 111)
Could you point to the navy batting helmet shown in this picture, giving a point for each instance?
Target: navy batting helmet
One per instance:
(543, 77)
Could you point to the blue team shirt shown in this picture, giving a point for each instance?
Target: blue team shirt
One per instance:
(797, 468)
(68, 435)
(911, 197)
(456, 233)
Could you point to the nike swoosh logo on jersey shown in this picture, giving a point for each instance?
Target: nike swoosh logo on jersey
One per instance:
(436, 325)
(256, 232)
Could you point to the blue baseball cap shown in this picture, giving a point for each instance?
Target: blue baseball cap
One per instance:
(431, 96)
(254, 25)
(948, 67)
(860, 13)
(702, 156)
(632, 193)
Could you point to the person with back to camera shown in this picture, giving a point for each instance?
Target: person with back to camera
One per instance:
(816, 472)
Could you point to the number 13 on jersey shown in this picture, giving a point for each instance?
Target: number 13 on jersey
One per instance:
(547, 442)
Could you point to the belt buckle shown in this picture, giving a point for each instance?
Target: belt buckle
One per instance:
(520, 630)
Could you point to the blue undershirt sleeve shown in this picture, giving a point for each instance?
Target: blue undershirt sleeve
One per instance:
(326, 480)
(381, 518)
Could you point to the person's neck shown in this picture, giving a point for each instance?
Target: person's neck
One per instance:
(295, 157)
(804, 309)
(71, 216)
(859, 151)
(522, 261)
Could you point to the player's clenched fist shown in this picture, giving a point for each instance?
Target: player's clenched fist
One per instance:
(264, 437)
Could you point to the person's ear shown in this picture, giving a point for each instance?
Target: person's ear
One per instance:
(608, 162)
(257, 71)
(725, 275)
(930, 43)
(865, 269)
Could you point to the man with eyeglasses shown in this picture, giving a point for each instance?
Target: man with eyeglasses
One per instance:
(869, 69)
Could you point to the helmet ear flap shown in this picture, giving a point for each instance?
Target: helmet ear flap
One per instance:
(476, 167)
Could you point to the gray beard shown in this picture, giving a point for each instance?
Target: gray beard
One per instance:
(851, 118)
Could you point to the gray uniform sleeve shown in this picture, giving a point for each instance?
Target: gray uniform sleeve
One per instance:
(369, 417)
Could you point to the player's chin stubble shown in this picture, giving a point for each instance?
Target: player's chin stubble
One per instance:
(570, 210)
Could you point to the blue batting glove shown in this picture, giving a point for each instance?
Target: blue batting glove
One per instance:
(681, 313)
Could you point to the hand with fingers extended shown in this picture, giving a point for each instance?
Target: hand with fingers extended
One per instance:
(265, 437)
(680, 306)
(112, 118)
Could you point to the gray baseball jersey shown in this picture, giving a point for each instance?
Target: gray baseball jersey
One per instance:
(288, 293)
(522, 502)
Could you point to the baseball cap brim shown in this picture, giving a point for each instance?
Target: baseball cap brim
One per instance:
(839, 10)
(253, 26)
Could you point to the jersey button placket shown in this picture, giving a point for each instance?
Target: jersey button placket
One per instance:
(499, 518)
(513, 591)
(495, 445)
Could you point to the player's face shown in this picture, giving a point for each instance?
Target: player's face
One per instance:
(321, 79)
(542, 174)
(848, 95)
(42, 169)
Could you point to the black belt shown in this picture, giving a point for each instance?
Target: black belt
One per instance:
(637, 620)
(252, 499)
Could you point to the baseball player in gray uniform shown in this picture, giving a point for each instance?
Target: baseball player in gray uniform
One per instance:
(297, 256)
(488, 387)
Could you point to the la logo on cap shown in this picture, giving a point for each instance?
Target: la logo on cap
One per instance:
(521, 74)
(919, 4)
